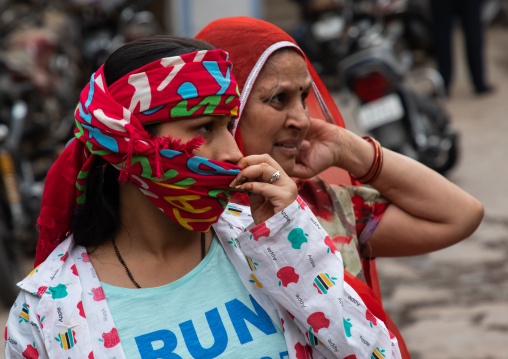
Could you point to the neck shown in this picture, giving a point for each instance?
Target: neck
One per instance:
(148, 229)
(156, 250)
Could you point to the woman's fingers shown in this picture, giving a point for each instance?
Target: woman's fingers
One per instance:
(258, 159)
(263, 173)
(270, 192)
(270, 189)
(259, 168)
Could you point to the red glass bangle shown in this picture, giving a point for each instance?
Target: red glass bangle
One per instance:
(375, 169)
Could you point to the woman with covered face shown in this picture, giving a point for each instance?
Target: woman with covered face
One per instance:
(287, 112)
(140, 253)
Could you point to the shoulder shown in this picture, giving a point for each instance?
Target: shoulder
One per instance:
(56, 268)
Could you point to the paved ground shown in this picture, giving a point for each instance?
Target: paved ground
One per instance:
(454, 303)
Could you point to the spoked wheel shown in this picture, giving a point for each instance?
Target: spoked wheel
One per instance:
(10, 264)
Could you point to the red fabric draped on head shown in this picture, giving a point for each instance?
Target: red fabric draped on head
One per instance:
(249, 43)
(253, 42)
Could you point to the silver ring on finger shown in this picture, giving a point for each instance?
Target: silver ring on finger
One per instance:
(274, 177)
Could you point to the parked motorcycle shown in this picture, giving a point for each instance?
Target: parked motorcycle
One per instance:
(368, 66)
(38, 75)
(48, 50)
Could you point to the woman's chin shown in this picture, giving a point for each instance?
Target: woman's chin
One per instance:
(287, 164)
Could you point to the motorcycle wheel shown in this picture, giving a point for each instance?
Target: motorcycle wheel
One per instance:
(10, 265)
(442, 152)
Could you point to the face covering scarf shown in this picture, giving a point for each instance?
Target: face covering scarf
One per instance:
(191, 190)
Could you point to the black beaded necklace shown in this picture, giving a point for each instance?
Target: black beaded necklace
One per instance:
(119, 256)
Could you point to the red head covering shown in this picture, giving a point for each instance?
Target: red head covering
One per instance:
(252, 44)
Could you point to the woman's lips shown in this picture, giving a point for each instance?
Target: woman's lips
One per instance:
(287, 147)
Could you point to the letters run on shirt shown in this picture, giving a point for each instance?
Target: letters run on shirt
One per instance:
(229, 335)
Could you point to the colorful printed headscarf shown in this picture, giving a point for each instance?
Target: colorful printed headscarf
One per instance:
(191, 190)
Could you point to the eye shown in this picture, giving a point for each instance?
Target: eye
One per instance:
(304, 99)
(207, 127)
(277, 99)
(231, 126)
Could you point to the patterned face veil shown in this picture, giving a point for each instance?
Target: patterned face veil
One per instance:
(191, 190)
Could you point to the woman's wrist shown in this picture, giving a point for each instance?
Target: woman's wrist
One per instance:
(355, 154)
(377, 164)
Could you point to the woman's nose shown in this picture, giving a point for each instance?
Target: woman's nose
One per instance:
(229, 151)
(297, 118)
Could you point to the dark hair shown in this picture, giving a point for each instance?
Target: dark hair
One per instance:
(98, 218)
(139, 53)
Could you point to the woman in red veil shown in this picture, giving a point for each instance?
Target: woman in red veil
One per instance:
(421, 210)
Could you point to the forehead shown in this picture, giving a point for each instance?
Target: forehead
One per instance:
(284, 67)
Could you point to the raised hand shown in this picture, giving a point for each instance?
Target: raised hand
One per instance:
(321, 149)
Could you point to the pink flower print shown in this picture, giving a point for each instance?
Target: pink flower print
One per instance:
(74, 270)
(64, 257)
(302, 351)
(318, 321)
(111, 339)
(330, 244)
(281, 322)
(98, 294)
(85, 258)
(30, 352)
(261, 230)
(41, 291)
(301, 202)
(371, 318)
(287, 275)
(81, 311)
(291, 315)
(90, 356)
(352, 356)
